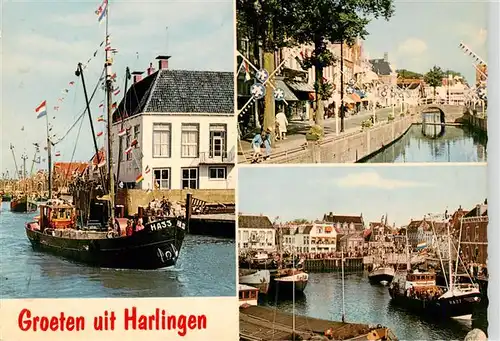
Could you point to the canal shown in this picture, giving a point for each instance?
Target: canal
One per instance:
(205, 268)
(457, 144)
(365, 303)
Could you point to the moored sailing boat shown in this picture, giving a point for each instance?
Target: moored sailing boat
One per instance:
(418, 292)
(259, 279)
(89, 231)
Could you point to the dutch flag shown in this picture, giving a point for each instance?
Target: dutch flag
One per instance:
(41, 110)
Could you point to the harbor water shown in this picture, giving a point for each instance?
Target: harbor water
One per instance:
(457, 144)
(205, 268)
(370, 304)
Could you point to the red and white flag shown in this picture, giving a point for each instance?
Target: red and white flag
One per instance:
(134, 143)
(147, 170)
(58, 154)
(122, 132)
(117, 91)
(128, 150)
(99, 134)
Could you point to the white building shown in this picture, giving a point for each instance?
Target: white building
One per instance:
(256, 232)
(323, 238)
(297, 238)
(181, 128)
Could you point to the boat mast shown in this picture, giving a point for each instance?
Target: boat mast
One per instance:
(49, 156)
(14, 156)
(109, 90)
(24, 157)
(120, 139)
(458, 247)
(408, 264)
(79, 73)
(450, 264)
(343, 300)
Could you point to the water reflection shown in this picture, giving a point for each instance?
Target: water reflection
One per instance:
(458, 144)
(371, 304)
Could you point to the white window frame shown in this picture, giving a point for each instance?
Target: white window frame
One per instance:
(161, 180)
(162, 128)
(189, 178)
(216, 178)
(213, 129)
(190, 128)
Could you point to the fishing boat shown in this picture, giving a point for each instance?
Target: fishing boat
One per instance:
(290, 280)
(260, 279)
(418, 292)
(381, 274)
(92, 229)
(22, 204)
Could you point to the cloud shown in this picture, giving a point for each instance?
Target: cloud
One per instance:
(412, 47)
(374, 180)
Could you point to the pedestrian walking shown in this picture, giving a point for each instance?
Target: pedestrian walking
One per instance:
(282, 125)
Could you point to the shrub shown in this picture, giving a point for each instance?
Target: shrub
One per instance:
(367, 123)
(315, 133)
(390, 117)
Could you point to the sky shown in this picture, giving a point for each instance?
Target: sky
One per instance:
(422, 34)
(43, 41)
(403, 192)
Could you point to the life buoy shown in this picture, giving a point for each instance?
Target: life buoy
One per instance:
(109, 235)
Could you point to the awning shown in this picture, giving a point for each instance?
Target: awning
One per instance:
(289, 95)
(300, 86)
(348, 100)
(355, 97)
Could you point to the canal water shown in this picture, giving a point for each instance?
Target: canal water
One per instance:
(370, 304)
(457, 144)
(206, 267)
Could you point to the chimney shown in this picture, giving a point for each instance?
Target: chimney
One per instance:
(151, 69)
(137, 76)
(163, 62)
(386, 57)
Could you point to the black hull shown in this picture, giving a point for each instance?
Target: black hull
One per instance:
(376, 279)
(287, 287)
(146, 249)
(443, 308)
(22, 206)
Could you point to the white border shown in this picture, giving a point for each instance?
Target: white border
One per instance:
(493, 171)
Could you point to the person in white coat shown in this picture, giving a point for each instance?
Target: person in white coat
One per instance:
(282, 124)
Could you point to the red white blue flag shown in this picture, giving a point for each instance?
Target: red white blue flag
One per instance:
(102, 10)
(41, 110)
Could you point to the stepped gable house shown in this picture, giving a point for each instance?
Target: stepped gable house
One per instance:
(180, 130)
(256, 231)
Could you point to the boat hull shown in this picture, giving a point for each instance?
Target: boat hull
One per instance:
(289, 283)
(148, 249)
(450, 307)
(259, 279)
(22, 205)
(379, 275)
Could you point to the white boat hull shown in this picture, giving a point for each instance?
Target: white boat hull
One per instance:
(259, 279)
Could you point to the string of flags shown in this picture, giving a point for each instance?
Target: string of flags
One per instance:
(471, 53)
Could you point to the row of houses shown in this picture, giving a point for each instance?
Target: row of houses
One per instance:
(336, 232)
(332, 233)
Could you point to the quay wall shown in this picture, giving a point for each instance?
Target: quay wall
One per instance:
(133, 198)
(477, 122)
(333, 264)
(349, 148)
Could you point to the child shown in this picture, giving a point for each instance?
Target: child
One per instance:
(259, 141)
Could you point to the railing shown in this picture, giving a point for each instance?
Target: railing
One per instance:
(217, 158)
(203, 207)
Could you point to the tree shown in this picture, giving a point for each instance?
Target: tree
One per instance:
(320, 22)
(403, 73)
(434, 77)
(267, 24)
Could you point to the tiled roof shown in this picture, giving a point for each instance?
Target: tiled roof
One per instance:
(254, 222)
(477, 211)
(67, 168)
(331, 218)
(381, 67)
(180, 91)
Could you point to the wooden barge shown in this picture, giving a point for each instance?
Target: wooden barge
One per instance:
(267, 324)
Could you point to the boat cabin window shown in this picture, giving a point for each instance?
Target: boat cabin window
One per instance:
(248, 294)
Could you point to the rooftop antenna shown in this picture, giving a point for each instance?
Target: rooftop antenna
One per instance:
(166, 40)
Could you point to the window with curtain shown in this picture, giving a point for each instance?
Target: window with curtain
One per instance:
(161, 139)
(189, 140)
(218, 140)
